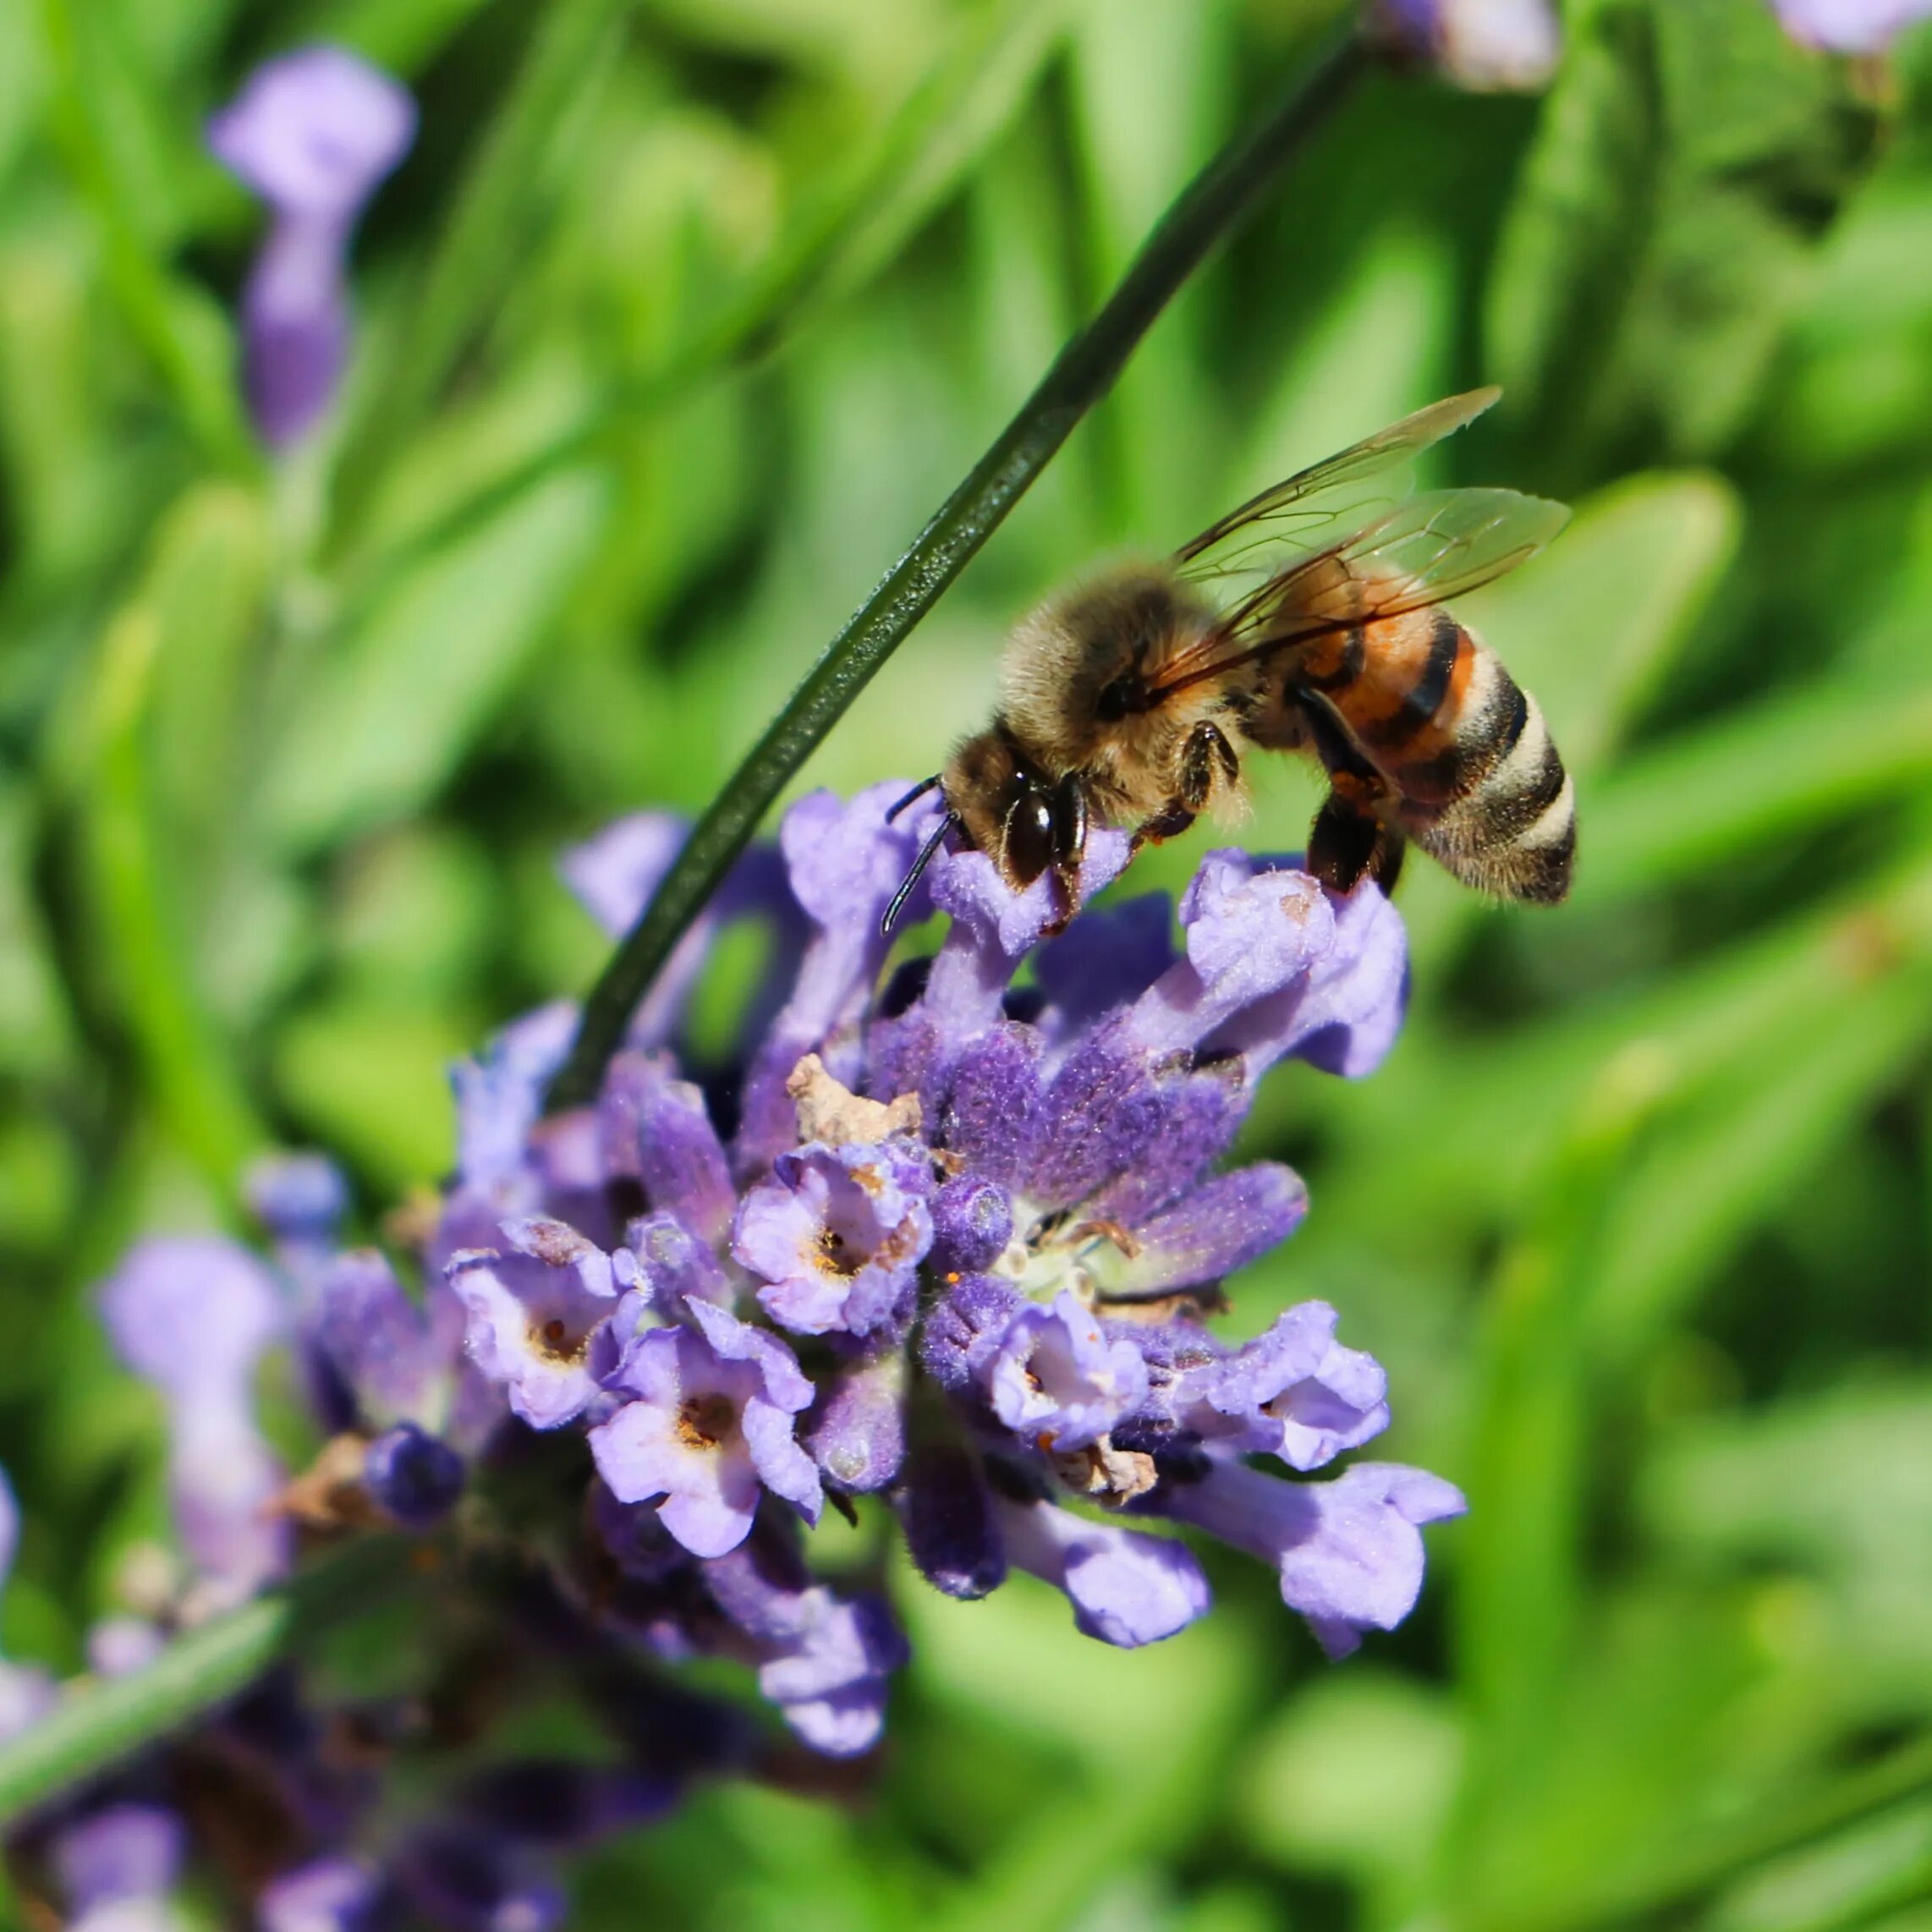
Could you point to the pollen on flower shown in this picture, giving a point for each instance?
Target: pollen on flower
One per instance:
(704, 1421)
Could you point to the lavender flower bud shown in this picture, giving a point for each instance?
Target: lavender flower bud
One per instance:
(947, 1512)
(312, 134)
(972, 1222)
(413, 1476)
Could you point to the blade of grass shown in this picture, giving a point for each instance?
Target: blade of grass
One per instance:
(1081, 374)
(478, 253)
(834, 247)
(96, 1725)
(155, 306)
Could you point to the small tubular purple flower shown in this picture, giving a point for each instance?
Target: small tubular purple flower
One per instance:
(1057, 1382)
(374, 1341)
(824, 1660)
(192, 1315)
(964, 1329)
(532, 1314)
(858, 1435)
(117, 1857)
(413, 1476)
(329, 1894)
(710, 1428)
(118, 1646)
(1491, 45)
(499, 1095)
(1850, 26)
(671, 1263)
(1347, 1551)
(836, 1234)
(313, 134)
(1220, 1226)
(655, 1128)
(972, 1223)
(946, 1511)
(1295, 1392)
(1127, 1588)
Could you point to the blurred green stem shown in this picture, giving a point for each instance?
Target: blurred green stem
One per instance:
(155, 309)
(99, 1724)
(480, 253)
(1081, 375)
(185, 1061)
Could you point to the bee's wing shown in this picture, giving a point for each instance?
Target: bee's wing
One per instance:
(1315, 498)
(1427, 550)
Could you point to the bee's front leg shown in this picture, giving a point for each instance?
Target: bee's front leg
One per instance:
(1350, 838)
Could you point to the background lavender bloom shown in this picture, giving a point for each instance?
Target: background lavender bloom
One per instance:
(1850, 26)
(313, 134)
(1483, 44)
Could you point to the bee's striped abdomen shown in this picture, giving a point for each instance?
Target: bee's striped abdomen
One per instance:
(1480, 785)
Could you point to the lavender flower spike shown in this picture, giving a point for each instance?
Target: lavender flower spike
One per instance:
(1850, 26)
(313, 134)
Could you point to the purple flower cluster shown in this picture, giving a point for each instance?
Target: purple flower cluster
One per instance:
(946, 1237)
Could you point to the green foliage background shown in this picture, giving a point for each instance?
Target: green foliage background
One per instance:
(678, 321)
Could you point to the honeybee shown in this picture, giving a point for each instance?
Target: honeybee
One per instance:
(1131, 700)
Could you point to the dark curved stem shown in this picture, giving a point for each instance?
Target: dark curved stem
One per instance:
(1082, 372)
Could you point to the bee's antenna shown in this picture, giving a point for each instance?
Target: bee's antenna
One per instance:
(919, 791)
(920, 864)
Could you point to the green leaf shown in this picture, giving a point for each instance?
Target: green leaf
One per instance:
(391, 709)
(1690, 158)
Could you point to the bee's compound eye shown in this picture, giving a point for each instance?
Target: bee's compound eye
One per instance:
(1029, 837)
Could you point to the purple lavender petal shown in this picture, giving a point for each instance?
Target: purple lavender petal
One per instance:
(964, 1329)
(1294, 1391)
(823, 1659)
(531, 1324)
(1850, 26)
(127, 1852)
(845, 863)
(1347, 1551)
(972, 1223)
(994, 928)
(672, 1264)
(711, 1425)
(951, 1533)
(1058, 1382)
(499, 1095)
(858, 1436)
(655, 1127)
(329, 1894)
(119, 1646)
(837, 1234)
(997, 1115)
(375, 1340)
(1487, 45)
(1127, 1588)
(1106, 958)
(615, 871)
(1249, 933)
(297, 1197)
(192, 1315)
(1223, 1225)
(1186, 1121)
(415, 1477)
(1344, 1018)
(314, 132)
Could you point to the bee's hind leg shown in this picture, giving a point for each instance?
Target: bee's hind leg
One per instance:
(1350, 839)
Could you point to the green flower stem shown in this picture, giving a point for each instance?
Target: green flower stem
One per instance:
(96, 1725)
(1081, 375)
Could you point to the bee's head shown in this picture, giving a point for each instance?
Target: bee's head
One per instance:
(1002, 804)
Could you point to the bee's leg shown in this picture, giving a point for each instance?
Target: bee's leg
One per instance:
(1386, 867)
(1170, 822)
(1069, 807)
(1341, 842)
(1206, 753)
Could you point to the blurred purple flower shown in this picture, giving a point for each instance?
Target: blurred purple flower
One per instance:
(1487, 45)
(313, 134)
(1850, 26)
(193, 1314)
